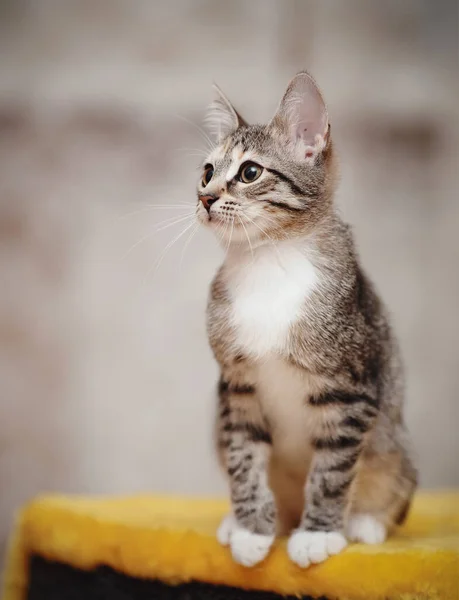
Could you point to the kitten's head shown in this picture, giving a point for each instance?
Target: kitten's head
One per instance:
(268, 181)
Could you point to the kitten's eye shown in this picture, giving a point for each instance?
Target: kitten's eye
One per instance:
(249, 172)
(207, 175)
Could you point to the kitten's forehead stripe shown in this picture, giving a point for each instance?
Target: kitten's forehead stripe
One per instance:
(236, 158)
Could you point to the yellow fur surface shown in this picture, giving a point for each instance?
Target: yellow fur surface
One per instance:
(173, 539)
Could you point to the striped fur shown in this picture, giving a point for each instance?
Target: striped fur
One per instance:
(309, 429)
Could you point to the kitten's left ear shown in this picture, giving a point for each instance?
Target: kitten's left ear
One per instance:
(303, 116)
(222, 118)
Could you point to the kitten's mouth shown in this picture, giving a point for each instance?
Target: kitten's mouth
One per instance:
(215, 218)
(219, 219)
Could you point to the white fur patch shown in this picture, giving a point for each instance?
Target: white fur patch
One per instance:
(269, 292)
(366, 529)
(226, 527)
(247, 548)
(237, 157)
(311, 547)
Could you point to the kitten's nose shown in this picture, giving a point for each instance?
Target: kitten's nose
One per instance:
(207, 201)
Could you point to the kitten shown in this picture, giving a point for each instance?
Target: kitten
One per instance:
(310, 429)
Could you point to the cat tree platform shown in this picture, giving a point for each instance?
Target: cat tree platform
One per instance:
(162, 548)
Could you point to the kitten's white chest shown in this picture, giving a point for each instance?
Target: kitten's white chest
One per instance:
(268, 295)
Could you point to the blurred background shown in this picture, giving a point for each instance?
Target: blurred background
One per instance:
(106, 379)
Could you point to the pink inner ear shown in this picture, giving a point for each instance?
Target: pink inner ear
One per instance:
(303, 114)
(312, 121)
(310, 114)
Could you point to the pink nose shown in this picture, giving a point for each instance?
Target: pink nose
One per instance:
(207, 201)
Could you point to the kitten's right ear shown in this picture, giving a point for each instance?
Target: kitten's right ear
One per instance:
(222, 118)
(302, 116)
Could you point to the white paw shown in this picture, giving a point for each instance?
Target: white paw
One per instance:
(366, 529)
(249, 548)
(306, 547)
(225, 529)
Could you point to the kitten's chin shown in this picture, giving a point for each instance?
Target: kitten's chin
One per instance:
(230, 232)
(237, 235)
(214, 221)
(205, 219)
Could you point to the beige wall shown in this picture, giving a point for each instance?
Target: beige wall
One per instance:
(106, 380)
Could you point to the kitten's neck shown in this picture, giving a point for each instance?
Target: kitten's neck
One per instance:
(239, 257)
(330, 243)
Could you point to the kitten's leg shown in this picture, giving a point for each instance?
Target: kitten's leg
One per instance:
(245, 447)
(342, 423)
(382, 495)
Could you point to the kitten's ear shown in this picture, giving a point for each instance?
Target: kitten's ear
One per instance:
(302, 115)
(222, 118)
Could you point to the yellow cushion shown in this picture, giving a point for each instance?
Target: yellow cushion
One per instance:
(173, 539)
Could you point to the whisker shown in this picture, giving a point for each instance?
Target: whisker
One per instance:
(176, 220)
(221, 231)
(163, 253)
(195, 155)
(183, 205)
(170, 222)
(266, 217)
(185, 149)
(269, 238)
(246, 234)
(257, 203)
(256, 225)
(111, 222)
(187, 241)
(152, 207)
(230, 236)
(196, 151)
(203, 134)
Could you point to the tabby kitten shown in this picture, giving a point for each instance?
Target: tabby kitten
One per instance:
(310, 428)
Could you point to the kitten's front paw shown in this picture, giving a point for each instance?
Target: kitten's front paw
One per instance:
(306, 547)
(225, 529)
(366, 529)
(249, 548)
